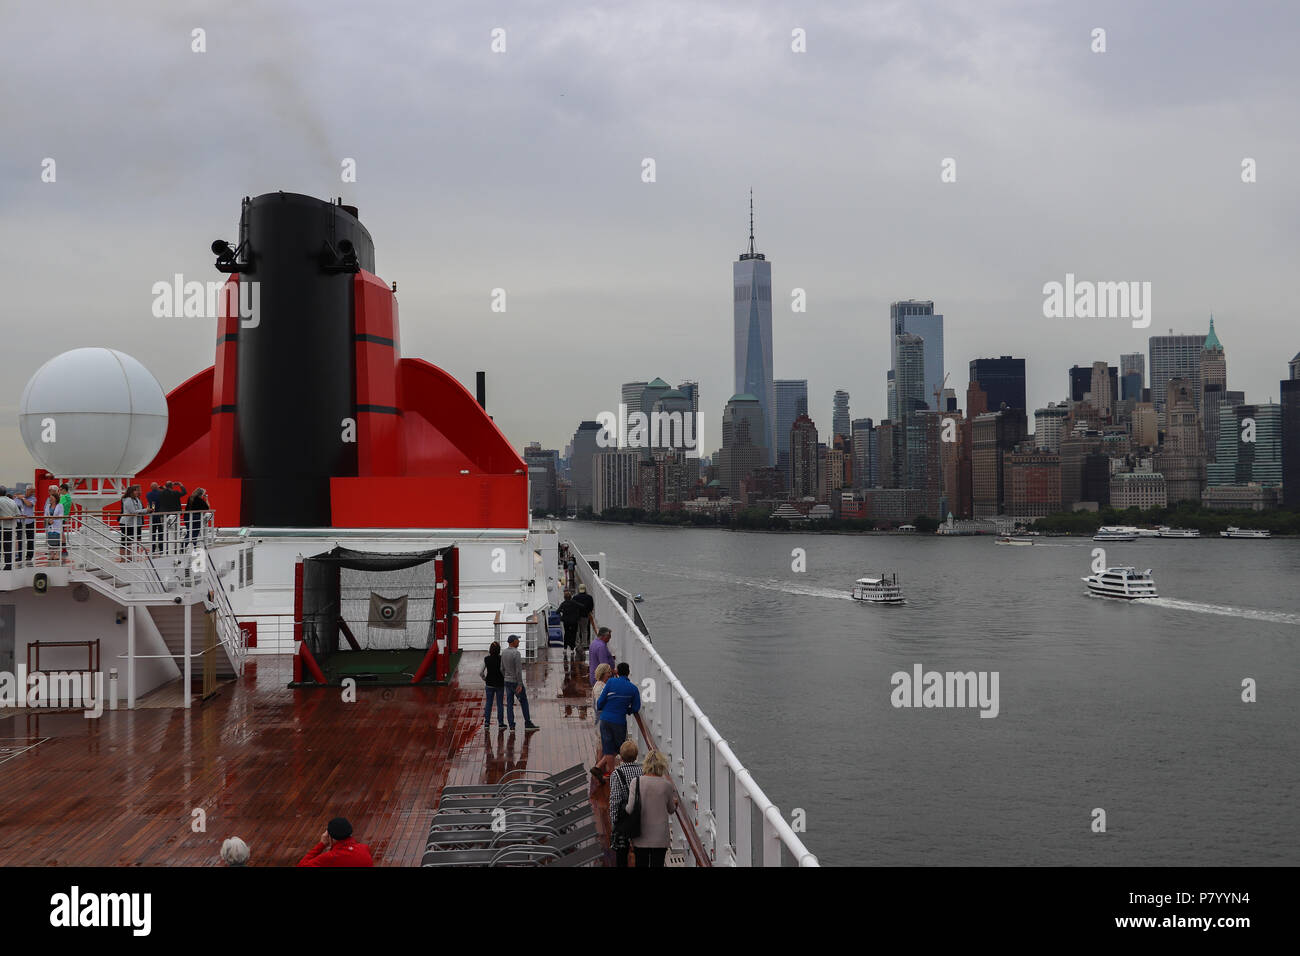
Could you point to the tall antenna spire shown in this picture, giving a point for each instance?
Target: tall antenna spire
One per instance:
(751, 222)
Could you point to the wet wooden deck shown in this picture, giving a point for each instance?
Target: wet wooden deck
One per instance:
(272, 766)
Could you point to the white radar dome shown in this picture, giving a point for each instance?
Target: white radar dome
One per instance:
(93, 412)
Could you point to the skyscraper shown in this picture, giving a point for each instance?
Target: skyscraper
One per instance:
(584, 448)
(909, 375)
(1049, 426)
(916, 317)
(791, 402)
(1002, 379)
(1239, 461)
(1132, 376)
(864, 453)
(1215, 402)
(803, 458)
(630, 397)
(1100, 389)
(1175, 356)
(840, 419)
(742, 449)
(614, 474)
(1214, 366)
(751, 277)
(1290, 401)
(1182, 458)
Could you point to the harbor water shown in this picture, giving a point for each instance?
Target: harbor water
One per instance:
(1133, 709)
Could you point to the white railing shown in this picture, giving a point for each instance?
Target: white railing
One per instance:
(95, 540)
(735, 820)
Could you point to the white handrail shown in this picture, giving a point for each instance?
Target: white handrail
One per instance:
(227, 622)
(727, 805)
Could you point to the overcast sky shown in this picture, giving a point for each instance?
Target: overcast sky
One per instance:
(522, 170)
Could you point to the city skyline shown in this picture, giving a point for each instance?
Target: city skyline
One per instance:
(537, 189)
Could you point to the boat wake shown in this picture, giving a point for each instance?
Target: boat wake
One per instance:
(784, 587)
(1252, 614)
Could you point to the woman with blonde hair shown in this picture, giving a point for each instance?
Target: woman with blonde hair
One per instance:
(602, 675)
(655, 794)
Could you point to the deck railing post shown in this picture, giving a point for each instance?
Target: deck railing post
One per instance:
(188, 654)
(744, 831)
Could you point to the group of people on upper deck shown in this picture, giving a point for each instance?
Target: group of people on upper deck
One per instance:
(172, 515)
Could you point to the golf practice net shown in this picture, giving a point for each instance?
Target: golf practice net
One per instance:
(360, 603)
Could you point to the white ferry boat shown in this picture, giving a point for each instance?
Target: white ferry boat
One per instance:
(1233, 532)
(1167, 532)
(1146, 532)
(1115, 533)
(1013, 540)
(1122, 582)
(881, 589)
(1127, 583)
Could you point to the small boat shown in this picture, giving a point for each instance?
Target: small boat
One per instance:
(1013, 540)
(1167, 532)
(882, 589)
(638, 599)
(1145, 532)
(1126, 583)
(1244, 533)
(1115, 533)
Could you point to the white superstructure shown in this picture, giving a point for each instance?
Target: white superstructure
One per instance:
(1128, 583)
(1115, 533)
(878, 589)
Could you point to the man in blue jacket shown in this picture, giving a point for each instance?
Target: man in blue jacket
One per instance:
(619, 698)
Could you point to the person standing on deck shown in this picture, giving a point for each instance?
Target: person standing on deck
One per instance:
(619, 698)
(27, 505)
(570, 613)
(620, 785)
(9, 515)
(338, 848)
(600, 653)
(512, 670)
(54, 551)
(155, 519)
(658, 801)
(587, 623)
(496, 686)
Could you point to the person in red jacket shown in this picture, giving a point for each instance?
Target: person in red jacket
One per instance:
(337, 848)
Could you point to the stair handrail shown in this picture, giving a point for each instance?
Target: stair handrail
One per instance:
(227, 621)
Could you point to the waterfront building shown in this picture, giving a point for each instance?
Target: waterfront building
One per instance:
(614, 474)
(1138, 489)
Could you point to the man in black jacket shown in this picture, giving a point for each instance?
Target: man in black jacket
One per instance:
(571, 612)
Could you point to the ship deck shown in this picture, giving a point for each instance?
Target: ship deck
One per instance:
(272, 766)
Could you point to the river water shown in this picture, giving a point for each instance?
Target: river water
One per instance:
(1132, 708)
